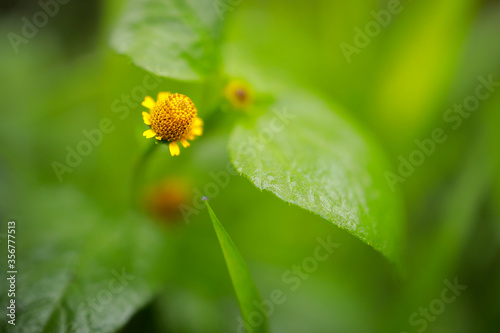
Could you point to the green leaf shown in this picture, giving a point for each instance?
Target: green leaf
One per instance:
(176, 39)
(308, 155)
(77, 270)
(244, 286)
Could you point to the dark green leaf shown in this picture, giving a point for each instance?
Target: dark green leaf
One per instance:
(176, 39)
(78, 271)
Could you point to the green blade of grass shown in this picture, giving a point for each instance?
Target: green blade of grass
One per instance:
(246, 292)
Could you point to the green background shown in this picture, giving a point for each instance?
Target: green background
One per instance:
(322, 176)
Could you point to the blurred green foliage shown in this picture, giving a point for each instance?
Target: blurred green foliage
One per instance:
(76, 235)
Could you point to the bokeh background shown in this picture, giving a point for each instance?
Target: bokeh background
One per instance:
(77, 231)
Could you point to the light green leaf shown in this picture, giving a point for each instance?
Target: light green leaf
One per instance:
(308, 155)
(244, 286)
(176, 39)
(78, 271)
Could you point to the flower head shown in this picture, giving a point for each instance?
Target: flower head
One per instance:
(164, 199)
(240, 94)
(172, 119)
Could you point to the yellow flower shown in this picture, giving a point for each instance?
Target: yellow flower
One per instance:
(172, 118)
(239, 94)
